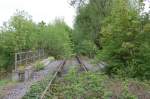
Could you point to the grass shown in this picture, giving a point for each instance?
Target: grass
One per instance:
(37, 88)
(89, 86)
(39, 66)
(4, 82)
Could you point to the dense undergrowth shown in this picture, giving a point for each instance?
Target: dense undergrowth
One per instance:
(116, 32)
(126, 43)
(37, 88)
(90, 86)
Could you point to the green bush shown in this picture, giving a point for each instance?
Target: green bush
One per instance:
(39, 66)
(87, 85)
(126, 45)
(37, 88)
(92, 86)
(50, 58)
(87, 47)
(22, 34)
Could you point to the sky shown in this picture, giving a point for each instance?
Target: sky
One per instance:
(46, 10)
(147, 5)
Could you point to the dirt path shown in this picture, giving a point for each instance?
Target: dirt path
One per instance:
(18, 90)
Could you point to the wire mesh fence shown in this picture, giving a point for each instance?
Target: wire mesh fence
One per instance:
(26, 58)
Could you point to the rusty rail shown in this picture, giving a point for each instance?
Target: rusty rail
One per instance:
(53, 78)
(81, 63)
(60, 68)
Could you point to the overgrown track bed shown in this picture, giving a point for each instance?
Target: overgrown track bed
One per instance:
(17, 90)
(58, 72)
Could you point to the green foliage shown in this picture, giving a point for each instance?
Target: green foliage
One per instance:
(39, 66)
(95, 86)
(3, 82)
(32, 95)
(37, 88)
(35, 91)
(120, 30)
(22, 34)
(87, 85)
(126, 45)
(87, 48)
(88, 25)
(57, 41)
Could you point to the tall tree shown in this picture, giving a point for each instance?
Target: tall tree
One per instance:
(89, 21)
(125, 43)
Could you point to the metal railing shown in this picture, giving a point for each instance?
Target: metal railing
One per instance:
(28, 57)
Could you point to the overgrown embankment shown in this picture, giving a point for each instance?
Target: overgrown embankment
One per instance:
(20, 33)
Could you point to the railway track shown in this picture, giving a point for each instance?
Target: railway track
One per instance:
(81, 64)
(55, 84)
(60, 68)
(58, 73)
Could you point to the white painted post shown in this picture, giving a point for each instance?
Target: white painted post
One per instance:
(26, 58)
(15, 61)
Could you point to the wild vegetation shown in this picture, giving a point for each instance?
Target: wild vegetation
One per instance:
(89, 85)
(125, 42)
(115, 32)
(20, 33)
